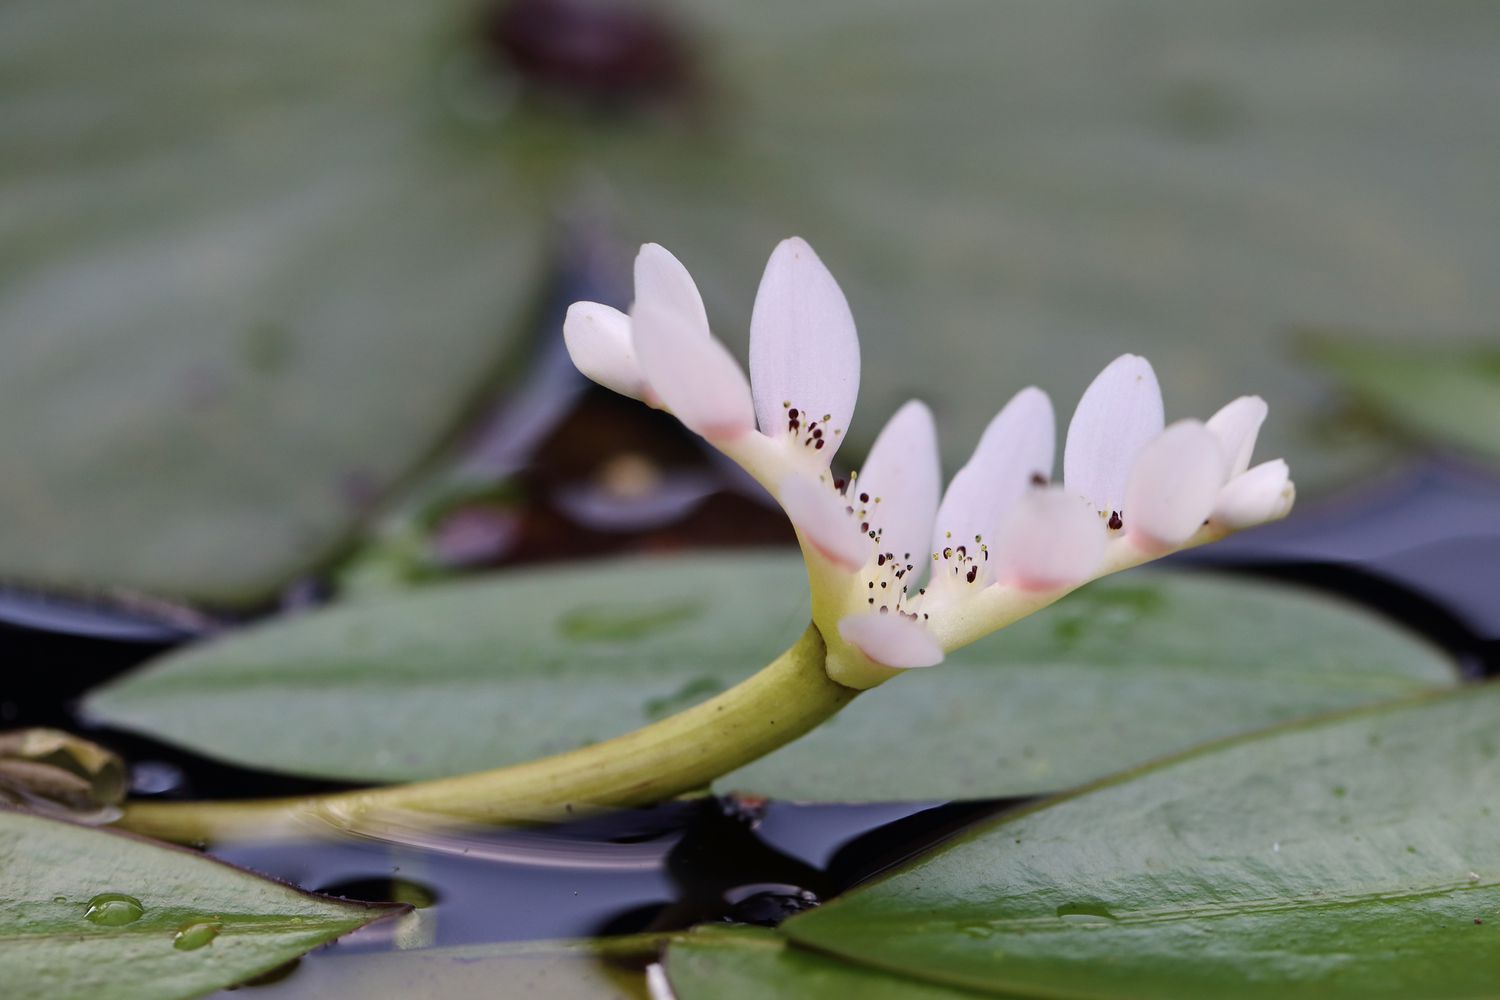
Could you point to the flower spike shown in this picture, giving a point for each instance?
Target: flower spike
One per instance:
(898, 576)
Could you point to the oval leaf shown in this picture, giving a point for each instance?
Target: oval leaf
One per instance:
(596, 969)
(1349, 858)
(475, 675)
(165, 922)
(751, 964)
(229, 328)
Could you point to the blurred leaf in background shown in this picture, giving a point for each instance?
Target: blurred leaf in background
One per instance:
(1449, 398)
(256, 260)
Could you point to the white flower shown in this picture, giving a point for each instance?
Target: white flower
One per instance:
(900, 570)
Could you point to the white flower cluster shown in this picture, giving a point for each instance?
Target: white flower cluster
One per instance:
(901, 570)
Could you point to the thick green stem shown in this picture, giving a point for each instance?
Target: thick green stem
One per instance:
(789, 697)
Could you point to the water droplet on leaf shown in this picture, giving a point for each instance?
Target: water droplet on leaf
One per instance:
(191, 937)
(114, 909)
(1085, 912)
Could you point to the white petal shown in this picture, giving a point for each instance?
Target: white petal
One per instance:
(901, 477)
(1015, 449)
(1235, 427)
(1050, 539)
(1173, 485)
(804, 352)
(892, 639)
(598, 339)
(1265, 493)
(662, 282)
(822, 517)
(1120, 411)
(694, 376)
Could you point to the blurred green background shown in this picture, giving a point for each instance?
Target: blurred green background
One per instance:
(260, 262)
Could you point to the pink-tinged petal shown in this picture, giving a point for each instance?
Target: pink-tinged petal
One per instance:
(694, 376)
(1236, 427)
(1014, 455)
(1120, 411)
(804, 352)
(1173, 485)
(892, 640)
(1262, 494)
(821, 516)
(598, 339)
(901, 477)
(1050, 539)
(663, 283)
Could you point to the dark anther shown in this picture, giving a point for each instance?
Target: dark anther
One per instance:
(1037, 479)
(973, 572)
(817, 433)
(864, 498)
(881, 560)
(963, 553)
(1115, 524)
(819, 445)
(882, 584)
(872, 600)
(864, 526)
(885, 609)
(792, 413)
(872, 585)
(948, 553)
(838, 484)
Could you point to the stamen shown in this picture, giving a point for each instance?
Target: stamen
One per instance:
(1115, 521)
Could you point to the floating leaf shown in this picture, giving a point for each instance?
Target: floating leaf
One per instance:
(250, 274)
(1449, 396)
(476, 675)
(602, 969)
(1353, 858)
(753, 964)
(93, 913)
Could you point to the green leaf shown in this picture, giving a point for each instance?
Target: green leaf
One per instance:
(476, 675)
(599, 969)
(166, 922)
(1348, 858)
(251, 273)
(753, 964)
(1449, 396)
